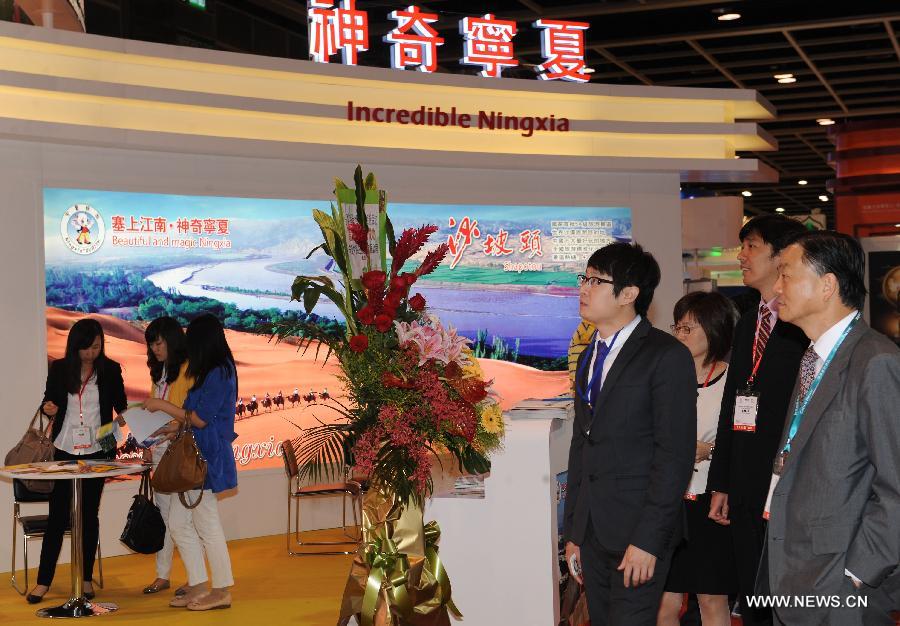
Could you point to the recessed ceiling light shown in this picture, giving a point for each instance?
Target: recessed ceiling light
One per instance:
(825, 121)
(746, 193)
(823, 198)
(727, 17)
(896, 225)
(780, 76)
(779, 209)
(801, 182)
(785, 81)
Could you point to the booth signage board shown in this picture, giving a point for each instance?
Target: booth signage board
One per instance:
(487, 41)
(508, 283)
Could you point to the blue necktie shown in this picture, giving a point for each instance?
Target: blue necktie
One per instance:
(602, 352)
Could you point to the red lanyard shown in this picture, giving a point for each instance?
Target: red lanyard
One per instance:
(165, 390)
(81, 393)
(709, 375)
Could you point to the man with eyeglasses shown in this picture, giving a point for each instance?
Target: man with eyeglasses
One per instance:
(765, 358)
(633, 442)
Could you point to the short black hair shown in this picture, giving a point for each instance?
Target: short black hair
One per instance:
(830, 252)
(628, 265)
(716, 315)
(775, 230)
(173, 334)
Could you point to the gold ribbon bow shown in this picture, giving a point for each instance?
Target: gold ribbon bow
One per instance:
(434, 565)
(389, 570)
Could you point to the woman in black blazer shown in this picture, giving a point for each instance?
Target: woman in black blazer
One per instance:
(83, 388)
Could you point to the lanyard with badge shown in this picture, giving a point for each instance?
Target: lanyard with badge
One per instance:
(746, 403)
(585, 392)
(81, 435)
(799, 411)
(689, 494)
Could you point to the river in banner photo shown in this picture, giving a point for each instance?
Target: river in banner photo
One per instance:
(126, 258)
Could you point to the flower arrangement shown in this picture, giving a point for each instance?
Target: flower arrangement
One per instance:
(414, 389)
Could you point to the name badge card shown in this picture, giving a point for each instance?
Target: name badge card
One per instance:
(81, 438)
(745, 407)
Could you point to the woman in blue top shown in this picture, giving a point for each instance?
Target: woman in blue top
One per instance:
(209, 409)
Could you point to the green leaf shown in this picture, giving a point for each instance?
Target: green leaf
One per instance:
(392, 240)
(370, 183)
(360, 197)
(323, 246)
(310, 298)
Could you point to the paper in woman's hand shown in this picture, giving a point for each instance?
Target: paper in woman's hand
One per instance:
(143, 424)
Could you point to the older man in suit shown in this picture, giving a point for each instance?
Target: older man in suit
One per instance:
(633, 442)
(834, 497)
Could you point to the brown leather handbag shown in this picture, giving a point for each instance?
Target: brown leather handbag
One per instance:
(182, 468)
(34, 446)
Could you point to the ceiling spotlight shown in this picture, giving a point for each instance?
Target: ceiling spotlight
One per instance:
(728, 17)
(780, 76)
(801, 182)
(779, 209)
(825, 121)
(746, 193)
(823, 198)
(896, 225)
(785, 81)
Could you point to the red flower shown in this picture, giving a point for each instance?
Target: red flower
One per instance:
(410, 242)
(409, 277)
(359, 343)
(383, 322)
(393, 300)
(366, 315)
(432, 260)
(374, 280)
(398, 283)
(359, 234)
(392, 380)
(417, 302)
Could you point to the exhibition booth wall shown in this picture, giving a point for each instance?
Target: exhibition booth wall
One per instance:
(78, 120)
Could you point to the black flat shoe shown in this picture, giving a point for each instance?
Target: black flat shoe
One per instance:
(33, 599)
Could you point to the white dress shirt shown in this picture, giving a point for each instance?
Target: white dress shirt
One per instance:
(90, 406)
(614, 349)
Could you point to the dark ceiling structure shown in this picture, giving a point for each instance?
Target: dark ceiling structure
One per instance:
(843, 57)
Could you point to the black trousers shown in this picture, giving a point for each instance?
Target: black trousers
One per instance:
(748, 533)
(59, 516)
(610, 603)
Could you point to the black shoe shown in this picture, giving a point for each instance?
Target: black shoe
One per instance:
(33, 599)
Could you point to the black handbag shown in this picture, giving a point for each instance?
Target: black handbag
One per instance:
(145, 530)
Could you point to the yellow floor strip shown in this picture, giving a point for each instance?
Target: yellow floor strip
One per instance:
(271, 588)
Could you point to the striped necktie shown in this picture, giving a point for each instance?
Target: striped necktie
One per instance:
(765, 330)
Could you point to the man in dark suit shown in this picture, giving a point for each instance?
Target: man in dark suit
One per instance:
(834, 495)
(765, 358)
(633, 442)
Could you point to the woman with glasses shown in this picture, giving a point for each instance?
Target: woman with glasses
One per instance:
(704, 563)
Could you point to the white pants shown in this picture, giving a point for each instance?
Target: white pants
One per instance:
(162, 500)
(198, 529)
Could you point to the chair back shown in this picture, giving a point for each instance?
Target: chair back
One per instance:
(290, 459)
(21, 493)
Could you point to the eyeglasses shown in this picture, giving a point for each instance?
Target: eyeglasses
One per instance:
(593, 281)
(681, 329)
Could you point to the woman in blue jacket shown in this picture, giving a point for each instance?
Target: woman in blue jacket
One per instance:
(209, 409)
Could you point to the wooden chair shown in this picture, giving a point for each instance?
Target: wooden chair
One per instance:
(296, 493)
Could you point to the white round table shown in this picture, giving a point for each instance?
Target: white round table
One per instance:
(76, 471)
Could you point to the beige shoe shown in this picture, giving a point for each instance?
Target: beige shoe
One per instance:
(192, 593)
(210, 601)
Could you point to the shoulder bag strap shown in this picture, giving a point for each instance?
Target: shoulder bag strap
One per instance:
(181, 496)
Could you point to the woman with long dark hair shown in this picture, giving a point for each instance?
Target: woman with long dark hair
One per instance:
(83, 389)
(209, 410)
(167, 360)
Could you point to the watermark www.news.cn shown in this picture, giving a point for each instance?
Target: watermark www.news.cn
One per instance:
(808, 602)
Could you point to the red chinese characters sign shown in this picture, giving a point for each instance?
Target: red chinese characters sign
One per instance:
(495, 244)
(487, 40)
